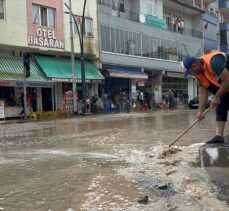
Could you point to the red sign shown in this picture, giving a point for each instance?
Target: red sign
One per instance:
(78, 20)
(68, 103)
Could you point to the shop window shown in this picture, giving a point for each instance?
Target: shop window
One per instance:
(2, 9)
(102, 2)
(152, 7)
(88, 26)
(43, 16)
(8, 96)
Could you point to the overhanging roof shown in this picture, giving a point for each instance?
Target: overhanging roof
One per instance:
(61, 68)
(11, 68)
(125, 72)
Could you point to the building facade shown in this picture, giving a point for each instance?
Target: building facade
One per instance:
(41, 28)
(136, 45)
(153, 37)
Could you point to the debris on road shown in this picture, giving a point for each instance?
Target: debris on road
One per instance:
(143, 200)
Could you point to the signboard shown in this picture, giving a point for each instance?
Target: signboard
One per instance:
(174, 74)
(2, 113)
(68, 103)
(152, 21)
(141, 82)
(45, 38)
(69, 80)
(28, 84)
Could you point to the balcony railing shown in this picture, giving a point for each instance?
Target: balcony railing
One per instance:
(123, 41)
(134, 16)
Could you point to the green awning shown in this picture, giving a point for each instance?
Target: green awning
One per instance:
(61, 68)
(11, 68)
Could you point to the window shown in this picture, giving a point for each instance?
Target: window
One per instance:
(121, 6)
(43, 16)
(102, 2)
(2, 9)
(114, 4)
(152, 7)
(87, 26)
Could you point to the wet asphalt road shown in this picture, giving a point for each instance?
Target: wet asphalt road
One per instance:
(75, 164)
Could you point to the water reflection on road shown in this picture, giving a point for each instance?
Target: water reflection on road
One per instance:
(95, 162)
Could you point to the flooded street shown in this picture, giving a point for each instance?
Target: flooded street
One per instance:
(106, 163)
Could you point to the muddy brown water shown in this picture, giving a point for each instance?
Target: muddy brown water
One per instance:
(106, 162)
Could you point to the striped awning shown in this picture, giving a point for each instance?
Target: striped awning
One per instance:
(12, 69)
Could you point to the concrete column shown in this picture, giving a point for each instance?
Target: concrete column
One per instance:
(39, 99)
(58, 96)
(156, 86)
(53, 98)
(192, 88)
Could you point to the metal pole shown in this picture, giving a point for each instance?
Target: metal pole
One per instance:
(130, 95)
(72, 58)
(83, 60)
(25, 101)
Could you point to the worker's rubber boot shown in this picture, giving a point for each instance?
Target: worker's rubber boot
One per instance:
(216, 140)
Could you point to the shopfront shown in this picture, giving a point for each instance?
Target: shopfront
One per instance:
(174, 81)
(59, 70)
(12, 83)
(121, 83)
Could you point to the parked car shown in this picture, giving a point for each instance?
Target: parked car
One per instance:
(194, 103)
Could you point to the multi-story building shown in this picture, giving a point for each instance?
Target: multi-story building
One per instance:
(142, 43)
(42, 28)
(136, 44)
(211, 27)
(224, 25)
(217, 14)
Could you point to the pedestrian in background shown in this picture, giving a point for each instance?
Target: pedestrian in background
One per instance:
(87, 104)
(185, 99)
(22, 113)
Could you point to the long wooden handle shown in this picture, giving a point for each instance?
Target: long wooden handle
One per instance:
(189, 127)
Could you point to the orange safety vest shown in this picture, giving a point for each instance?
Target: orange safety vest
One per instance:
(208, 77)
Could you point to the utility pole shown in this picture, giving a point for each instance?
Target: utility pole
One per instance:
(25, 96)
(72, 58)
(83, 59)
(26, 65)
(81, 34)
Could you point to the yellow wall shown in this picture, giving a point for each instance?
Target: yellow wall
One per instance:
(91, 45)
(13, 30)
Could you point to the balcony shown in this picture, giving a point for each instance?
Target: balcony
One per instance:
(148, 20)
(132, 39)
(224, 36)
(191, 7)
(224, 7)
(208, 1)
(224, 26)
(130, 44)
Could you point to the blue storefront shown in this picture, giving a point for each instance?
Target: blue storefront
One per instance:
(120, 84)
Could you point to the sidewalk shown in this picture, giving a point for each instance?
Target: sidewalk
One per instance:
(42, 118)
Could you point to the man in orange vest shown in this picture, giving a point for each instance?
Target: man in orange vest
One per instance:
(212, 72)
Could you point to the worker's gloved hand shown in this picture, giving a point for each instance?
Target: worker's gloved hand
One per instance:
(215, 101)
(200, 115)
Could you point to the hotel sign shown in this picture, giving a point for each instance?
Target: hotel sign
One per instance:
(45, 38)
